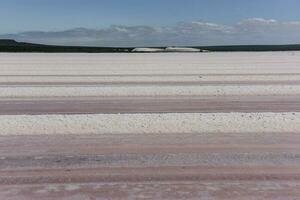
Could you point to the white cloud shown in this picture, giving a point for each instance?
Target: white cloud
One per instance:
(259, 21)
(248, 31)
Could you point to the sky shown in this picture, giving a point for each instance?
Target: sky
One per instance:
(124, 22)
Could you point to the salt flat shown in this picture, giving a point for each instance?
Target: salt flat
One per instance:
(150, 64)
(203, 124)
(151, 123)
(172, 74)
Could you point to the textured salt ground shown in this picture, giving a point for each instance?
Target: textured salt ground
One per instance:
(114, 64)
(208, 104)
(217, 190)
(165, 78)
(256, 159)
(263, 166)
(267, 73)
(105, 91)
(148, 83)
(149, 123)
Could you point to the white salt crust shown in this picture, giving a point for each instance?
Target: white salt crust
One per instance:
(144, 90)
(207, 123)
(158, 63)
(148, 78)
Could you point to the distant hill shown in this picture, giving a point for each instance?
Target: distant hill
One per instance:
(4, 42)
(14, 46)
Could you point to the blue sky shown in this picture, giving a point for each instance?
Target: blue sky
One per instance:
(58, 15)
(47, 15)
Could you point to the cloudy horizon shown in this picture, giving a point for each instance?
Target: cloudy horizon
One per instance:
(250, 31)
(151, 23)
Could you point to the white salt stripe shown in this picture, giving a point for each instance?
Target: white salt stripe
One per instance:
(151, 78)
(111, 90)
(174, 63)
(151, 123)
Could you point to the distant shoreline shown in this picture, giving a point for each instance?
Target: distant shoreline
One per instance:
(7, 46)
